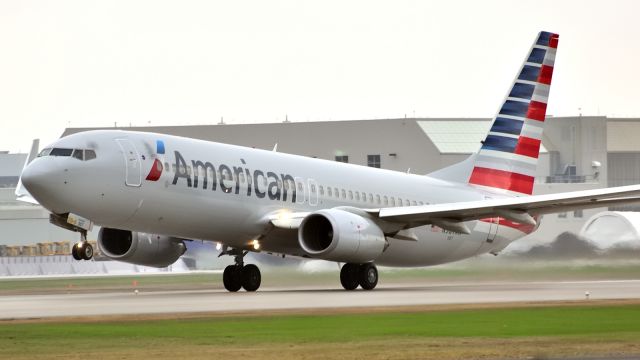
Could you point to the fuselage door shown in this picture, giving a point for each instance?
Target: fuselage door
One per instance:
(300, 190)
(133, 171)
(313, 192)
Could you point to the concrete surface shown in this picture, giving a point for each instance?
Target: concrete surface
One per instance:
(112, 303)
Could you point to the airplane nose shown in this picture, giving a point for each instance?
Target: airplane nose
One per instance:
(35, 178)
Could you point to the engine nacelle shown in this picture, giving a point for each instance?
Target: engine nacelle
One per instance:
(140, 248)
(339, 235)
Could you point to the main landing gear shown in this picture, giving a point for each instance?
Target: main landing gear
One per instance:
(240, 275)
(365, 275)
(82, 250)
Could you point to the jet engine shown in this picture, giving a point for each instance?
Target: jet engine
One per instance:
(140, 248)
(339, 235)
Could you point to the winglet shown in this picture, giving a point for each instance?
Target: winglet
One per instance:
(21, 193)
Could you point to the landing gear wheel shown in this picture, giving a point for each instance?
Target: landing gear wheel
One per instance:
(251, 277)
(349, 276)
(232, 278)
(368, 276)
(74, 252)
(85, 251)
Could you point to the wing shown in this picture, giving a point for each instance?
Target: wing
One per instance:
(518, 209)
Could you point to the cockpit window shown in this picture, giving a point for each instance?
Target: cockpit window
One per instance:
(80, 154)
(77, 153)
(89, 155)
(61, 152)
(44, 152)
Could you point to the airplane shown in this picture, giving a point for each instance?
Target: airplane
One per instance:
(150, 193)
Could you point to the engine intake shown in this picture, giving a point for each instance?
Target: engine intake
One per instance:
(339, 235)
(140, 248)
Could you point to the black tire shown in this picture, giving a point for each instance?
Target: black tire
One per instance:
(368, 276)
(232, 278)
(349, 276)
(86, 251)
(251, 277)
(74, 252)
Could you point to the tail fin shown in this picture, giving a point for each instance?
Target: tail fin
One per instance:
(508, 157)
(21, 193)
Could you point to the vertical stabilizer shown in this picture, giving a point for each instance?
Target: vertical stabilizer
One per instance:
(508, 157)
(21, 193)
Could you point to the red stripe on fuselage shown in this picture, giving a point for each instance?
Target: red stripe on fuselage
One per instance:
(502, 180)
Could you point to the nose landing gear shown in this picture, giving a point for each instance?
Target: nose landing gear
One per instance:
(82, 250)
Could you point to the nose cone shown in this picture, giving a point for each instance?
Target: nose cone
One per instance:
(40, 180)
(34, 178)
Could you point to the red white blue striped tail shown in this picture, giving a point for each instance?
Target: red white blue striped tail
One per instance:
(509, 154)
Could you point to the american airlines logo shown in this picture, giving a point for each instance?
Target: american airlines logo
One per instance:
(230, 179)
(156, 169)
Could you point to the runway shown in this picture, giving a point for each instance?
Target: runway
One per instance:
(159, 302)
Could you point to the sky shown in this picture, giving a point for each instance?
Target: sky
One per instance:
(143, 63)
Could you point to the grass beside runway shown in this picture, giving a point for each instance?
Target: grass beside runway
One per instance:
(591, 329)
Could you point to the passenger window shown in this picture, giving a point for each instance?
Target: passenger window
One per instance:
(344, 194)
(406, 202)
(413, 203)
(329, 191)
(321, 190)
(378, 199)
(385, 200)
(399, 202)
(299, 186)
(89, 155)
(350, 195)
(336, 192)
(371, 198)
(313, 188)
(421, 203)
(392, 201)
(357, 196)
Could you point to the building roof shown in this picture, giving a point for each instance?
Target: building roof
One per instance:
(453, 136)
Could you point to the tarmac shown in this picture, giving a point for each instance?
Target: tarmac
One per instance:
(300, 298)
